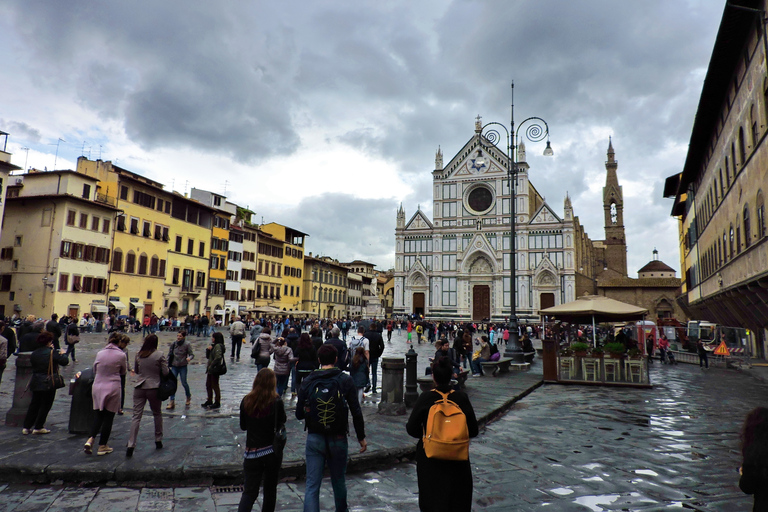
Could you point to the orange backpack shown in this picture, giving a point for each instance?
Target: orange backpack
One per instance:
(446, 436)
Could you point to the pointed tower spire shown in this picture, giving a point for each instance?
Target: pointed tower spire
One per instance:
(521, 152)
(611, 153)
(439, 159)
(568, 207)
(401, 217)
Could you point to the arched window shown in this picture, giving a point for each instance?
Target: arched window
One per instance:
(725, 248)
(747, 228)
(760, 210)
(727, 174)
(738, 236)
(742, 147)
(753, 126)
(154, 265)
(143, 264)
(130, 262)
(733, 160)
(731, 239)
(117, 261)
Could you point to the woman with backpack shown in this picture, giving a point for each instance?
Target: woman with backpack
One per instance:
(260, 351)
(262, 414)
(358, 370)
(283, 356)
(440, 470)
(215, 354)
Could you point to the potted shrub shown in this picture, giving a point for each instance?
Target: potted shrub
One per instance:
(634, 353)
(579, 348)
(597, 352)
(615, 349)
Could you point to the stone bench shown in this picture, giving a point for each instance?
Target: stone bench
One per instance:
(427, 384)
(500, 366)
(528, 356)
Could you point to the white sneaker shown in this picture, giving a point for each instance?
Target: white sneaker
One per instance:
(25, 431)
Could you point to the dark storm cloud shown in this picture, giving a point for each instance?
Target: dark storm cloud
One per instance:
(342, 226)
(20, 130)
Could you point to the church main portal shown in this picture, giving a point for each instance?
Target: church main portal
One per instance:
(481, 302)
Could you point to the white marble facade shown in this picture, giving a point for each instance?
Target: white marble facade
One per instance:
(456, 266)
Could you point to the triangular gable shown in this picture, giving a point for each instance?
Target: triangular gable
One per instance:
(478, 244)
(546, 272)
(417, 274)
(418, 221)
(545, 215)
(459, 165)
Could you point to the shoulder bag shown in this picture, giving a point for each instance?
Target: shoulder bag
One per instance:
(168, 385)
(53, 380)
(281, 436)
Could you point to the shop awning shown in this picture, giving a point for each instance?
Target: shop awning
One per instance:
(219, 312)
(117, 304)
(137, 305)
(99, 308)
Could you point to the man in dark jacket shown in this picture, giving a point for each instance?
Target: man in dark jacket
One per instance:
(28, 342)
(327, 442)
(376, 348)
(340, 346)
(54, 328)
(7, 333)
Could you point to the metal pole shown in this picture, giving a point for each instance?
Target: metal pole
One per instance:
(512, 349)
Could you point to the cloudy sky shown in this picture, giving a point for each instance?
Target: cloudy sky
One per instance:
(325, 115)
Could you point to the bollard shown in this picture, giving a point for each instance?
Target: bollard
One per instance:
(392, 387)
(81, 413)
(22, 397)
(411, 393)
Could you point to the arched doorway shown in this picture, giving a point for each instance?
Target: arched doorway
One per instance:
(418, 303)
(546, 300)
(481, 302)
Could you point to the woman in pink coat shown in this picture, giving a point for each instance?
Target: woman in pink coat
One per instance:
(110, 364)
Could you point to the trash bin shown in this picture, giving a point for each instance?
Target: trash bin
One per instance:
(81, 413)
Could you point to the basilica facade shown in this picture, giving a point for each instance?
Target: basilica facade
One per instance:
(457, 265)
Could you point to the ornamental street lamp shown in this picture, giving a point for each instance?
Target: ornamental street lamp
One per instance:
(492, 133)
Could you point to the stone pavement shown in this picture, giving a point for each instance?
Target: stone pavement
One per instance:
(575, 448)
(206, 446)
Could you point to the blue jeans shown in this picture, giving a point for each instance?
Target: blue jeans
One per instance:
(476, 368)
(320, 449)
(181, 371)
(374, 371)
(282, 383)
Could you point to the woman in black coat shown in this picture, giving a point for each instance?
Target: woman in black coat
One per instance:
(262, 413)
(443, 484)
(45, 360)
(754, 449)
(306, 358)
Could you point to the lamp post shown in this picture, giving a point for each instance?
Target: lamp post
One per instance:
(534, 132)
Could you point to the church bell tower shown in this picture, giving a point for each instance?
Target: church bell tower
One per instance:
(613, 206)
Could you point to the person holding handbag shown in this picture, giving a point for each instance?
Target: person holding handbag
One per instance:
(215, 368)
(108, 368)
(261, 346)
(149, 365)
(262, 416)
(45, 361)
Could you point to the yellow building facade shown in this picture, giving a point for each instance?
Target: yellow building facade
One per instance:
(269, 265)
(55, 247)
(189, 256)
(140, 245)
(293, 265)
(326, 287)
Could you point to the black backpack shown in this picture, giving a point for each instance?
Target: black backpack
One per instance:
(326, 408)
